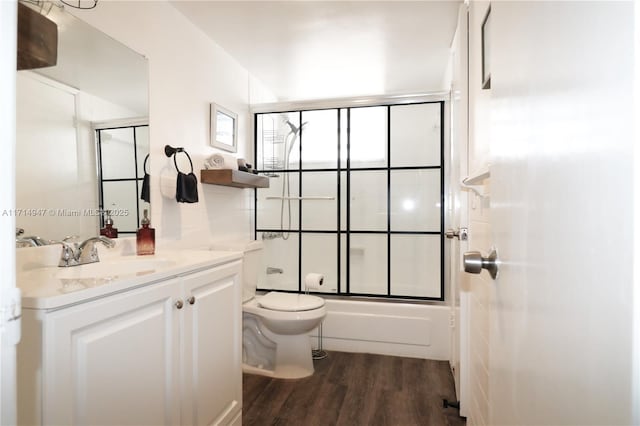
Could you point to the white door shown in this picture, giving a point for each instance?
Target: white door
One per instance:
(9, 297)
(212, 382)
(561, 214)
(457, 206)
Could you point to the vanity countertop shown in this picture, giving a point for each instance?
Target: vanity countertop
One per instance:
(53, 287)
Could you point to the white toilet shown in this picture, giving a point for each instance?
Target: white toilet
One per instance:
(276, 326)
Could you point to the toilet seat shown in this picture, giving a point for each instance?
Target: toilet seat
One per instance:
(289, 302)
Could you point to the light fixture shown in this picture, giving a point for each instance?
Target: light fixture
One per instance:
(80, 4)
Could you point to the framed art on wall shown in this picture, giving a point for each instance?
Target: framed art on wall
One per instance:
(224, 128)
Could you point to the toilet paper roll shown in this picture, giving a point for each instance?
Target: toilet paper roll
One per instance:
(313, 281)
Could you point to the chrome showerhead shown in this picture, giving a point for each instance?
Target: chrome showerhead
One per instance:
(295, 129)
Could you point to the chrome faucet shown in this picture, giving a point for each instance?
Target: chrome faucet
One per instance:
(68, 256)
(32, 240)
(74, 254)
(24, 242)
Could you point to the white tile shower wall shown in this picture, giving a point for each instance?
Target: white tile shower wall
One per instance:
(480, 286)
(281, 254)
(187, 71)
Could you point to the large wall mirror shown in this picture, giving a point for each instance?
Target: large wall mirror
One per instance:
(82, 135)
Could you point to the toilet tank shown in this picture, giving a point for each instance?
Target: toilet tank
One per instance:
(253, 270)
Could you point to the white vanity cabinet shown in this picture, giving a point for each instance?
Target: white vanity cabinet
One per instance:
(165, 353)
(212, 346)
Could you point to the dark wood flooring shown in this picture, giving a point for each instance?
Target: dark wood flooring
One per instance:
(353, 389)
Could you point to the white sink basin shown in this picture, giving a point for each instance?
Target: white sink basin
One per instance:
(74, 278)
(113, 268)
(45, 286)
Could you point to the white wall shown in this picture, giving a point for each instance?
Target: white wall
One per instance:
(635, 394)
(187, 71)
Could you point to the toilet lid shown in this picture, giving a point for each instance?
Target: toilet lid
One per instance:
(290, 302)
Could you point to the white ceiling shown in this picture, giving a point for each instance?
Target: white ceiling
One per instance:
(307, 50)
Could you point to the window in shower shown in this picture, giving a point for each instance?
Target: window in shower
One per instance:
(356, 194)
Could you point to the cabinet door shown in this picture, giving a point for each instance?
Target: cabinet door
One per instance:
(114, 361)
(213, 343)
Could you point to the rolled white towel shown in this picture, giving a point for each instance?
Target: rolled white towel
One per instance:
(221, 161)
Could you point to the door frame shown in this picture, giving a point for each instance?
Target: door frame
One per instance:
(9, 296)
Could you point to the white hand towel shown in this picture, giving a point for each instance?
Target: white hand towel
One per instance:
(221, 161)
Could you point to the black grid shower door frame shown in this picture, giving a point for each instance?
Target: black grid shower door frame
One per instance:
(101, 180)
(347, 170)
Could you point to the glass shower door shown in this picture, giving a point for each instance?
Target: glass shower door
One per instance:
(356, 194)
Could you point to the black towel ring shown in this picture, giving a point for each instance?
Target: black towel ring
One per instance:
(144, 166)
(171, 151)
(188, 156)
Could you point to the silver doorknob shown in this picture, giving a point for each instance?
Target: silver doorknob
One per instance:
(461, 234)
(191, 300)
(179, 304)
(474, 263)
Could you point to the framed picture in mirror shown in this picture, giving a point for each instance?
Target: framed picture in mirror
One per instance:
(224, 128)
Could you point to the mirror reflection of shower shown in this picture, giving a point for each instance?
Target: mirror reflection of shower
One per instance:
(274, 138)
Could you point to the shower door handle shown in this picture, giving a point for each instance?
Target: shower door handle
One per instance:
(474, 263)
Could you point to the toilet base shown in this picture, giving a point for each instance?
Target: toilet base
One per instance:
(277, 343)
(291, 373)
(293, 359)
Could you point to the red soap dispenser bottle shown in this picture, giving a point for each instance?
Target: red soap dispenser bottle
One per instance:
(146, 237)
(108, 230)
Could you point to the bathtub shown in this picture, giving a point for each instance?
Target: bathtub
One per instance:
(386, 328)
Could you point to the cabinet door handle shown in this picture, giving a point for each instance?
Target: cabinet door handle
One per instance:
(179, 304)
(191, 300)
